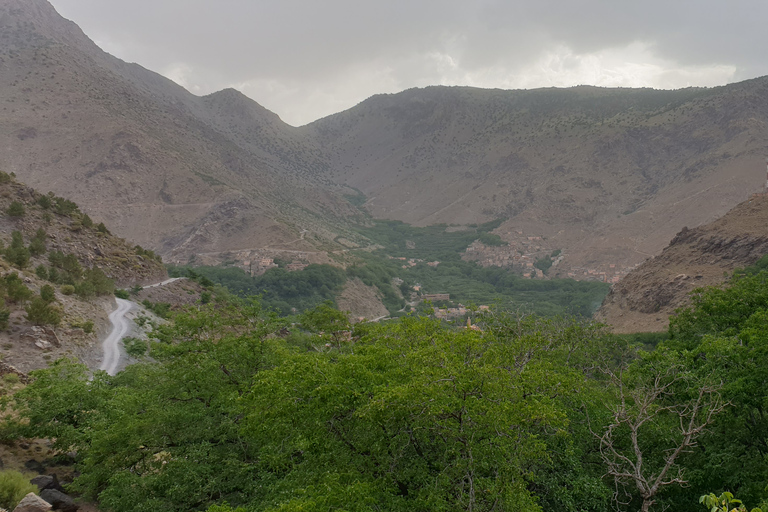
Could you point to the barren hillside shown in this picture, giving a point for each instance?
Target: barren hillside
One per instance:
(707, 255)
(606, 175)
(175, 172)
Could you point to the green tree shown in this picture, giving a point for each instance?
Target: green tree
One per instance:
(45, 202)
(41, 312)
(16, 291)
(47, 293)
(17, 253)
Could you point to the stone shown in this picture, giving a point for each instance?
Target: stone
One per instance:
(43, 344)
(59, 500)
(34, 465)
(47, 482)
(32, 503)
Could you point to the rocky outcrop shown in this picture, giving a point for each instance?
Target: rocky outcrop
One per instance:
(59, 500)
(32, 503)
(6, 369)
(704, 256)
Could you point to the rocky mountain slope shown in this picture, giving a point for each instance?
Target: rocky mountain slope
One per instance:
(47, 242)
(707, 255)
(170, 170)
(607, 176)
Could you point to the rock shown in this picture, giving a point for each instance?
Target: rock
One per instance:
(32, 503)
(59, 500)
(43, 344)
(47, 482)
(34, 465)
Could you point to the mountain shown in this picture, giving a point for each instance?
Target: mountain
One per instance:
(605, 176)
(704, 256)
(47, 242)
(176, 172)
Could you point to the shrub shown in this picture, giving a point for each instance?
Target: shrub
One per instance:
(122, 294)
(5, 177)
(44, 202)
(47, 293)
(53, 275)
(16, 209)
(5, 315)
(41, 272)
(86, 326)
(40, 312)
(16, 290)
(135, 347)
(11, 378)
(37, 247)
(87, 222)
(102, 228)
(85, 289)
(102, 285)
(67, 289)
(13, 487)
(18, 256)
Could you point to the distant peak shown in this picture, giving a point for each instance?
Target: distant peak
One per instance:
(41, 18)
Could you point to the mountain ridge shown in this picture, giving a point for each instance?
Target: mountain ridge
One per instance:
(607, 176)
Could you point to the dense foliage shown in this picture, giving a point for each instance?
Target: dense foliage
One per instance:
(279, 289)
(234, 410)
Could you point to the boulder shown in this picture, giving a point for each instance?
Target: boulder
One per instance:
(47, 482)
(32, 503)
(59, 500)
(35, 466)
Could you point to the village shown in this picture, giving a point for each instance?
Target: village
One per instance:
(529, 256)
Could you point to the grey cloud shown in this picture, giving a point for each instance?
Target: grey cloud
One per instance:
(308, 47)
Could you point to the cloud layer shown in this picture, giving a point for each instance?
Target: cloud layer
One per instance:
(305, 59)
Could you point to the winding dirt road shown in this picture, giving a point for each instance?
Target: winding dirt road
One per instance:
(111, 345)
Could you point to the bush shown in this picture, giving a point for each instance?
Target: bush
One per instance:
(86, 326)
(47, 293)
(85, 289)
(67, 289)
(135, 347)
(44, 202)
(16, 290)
(11, 378)
(16, 209)
(41, 272)
(5, 315)
(13, 487)
(122, 294)
(87, 222)
(40, 312)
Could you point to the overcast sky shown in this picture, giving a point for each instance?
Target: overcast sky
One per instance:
(305, 59)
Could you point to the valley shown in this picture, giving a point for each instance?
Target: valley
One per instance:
(445, 298)
(607, 176)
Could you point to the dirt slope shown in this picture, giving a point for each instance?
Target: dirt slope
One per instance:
(175, 172)
(606, 175)
(707, 255)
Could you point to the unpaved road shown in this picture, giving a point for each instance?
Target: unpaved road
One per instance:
(167, 281)
(111, 345)
(120, 328)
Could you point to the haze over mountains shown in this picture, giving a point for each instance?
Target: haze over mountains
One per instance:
(607, 175)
